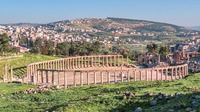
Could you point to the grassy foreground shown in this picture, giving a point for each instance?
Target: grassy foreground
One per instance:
(103, 97)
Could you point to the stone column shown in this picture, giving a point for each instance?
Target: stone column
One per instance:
(122, 61)
(63, 67)
(42, 76)
(67, 63)
(182, 68)
(115, 61)
(65, 79)
(47, 79)
(108, 72)
(85, 61)
(140, 72)
(37, 75)
(56, 65)
(157, 71)
(47, 65)
(151, 75)
(128, 75)
(58, 78)
(162, 74)
(31, 71)
(186, 70)
(81, 78)
(103, 60)
(76, 62)
(11, 73)
(34, 78)
(115, 78)
(118, 58)
(53, 82)
(81, 61)
(88, 81)
(27, 71)
(179, 68)
(122, 78)
(176, 73)
(99, 61)
(135, 75)
(59, 64)
(172, 73)
(107, 61)
(110, 60)
(72, 63)
(166, 74)
(88, 60)
(95, 61)
(74, 78)
(95, 79)
(101, 77)
(92, 61)
(146, 75)
(52, 64)
(5, 76)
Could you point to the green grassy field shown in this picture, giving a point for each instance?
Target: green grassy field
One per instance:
(21, 62)
(102, 97)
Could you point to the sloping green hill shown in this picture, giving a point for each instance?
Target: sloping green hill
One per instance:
(20, 63)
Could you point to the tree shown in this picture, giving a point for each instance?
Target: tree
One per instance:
(152, 48)
(62, 48)
(72, 49)
(164, 50)
(4, 43)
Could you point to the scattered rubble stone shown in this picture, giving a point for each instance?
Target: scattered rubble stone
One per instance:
(138, 109)
(40, 89)
(153, 102)
(195, 104)
(195, 96)
(171, 110)
(188, 109)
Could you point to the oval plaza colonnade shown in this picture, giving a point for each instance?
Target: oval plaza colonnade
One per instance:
(84, 70)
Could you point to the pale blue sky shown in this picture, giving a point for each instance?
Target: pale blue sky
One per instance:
(180, 12)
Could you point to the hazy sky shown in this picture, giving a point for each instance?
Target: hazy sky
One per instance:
(180, 12)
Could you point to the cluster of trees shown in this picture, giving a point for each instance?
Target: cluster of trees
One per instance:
(5, 46)
(154, 48)
(48, 47)
(132, 54)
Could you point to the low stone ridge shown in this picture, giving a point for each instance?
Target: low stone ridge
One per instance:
(40, 89)
(126, 95)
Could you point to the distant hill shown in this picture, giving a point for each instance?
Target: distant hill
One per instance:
(21, 24)
(119, 26)
(195, 28)
(128, 26)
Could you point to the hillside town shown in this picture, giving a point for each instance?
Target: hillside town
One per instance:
(186, 51)
(88, 30)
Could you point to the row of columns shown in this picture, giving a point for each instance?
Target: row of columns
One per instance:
(109, 76)
(8, 76)
(168, 73)
(77, 62)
